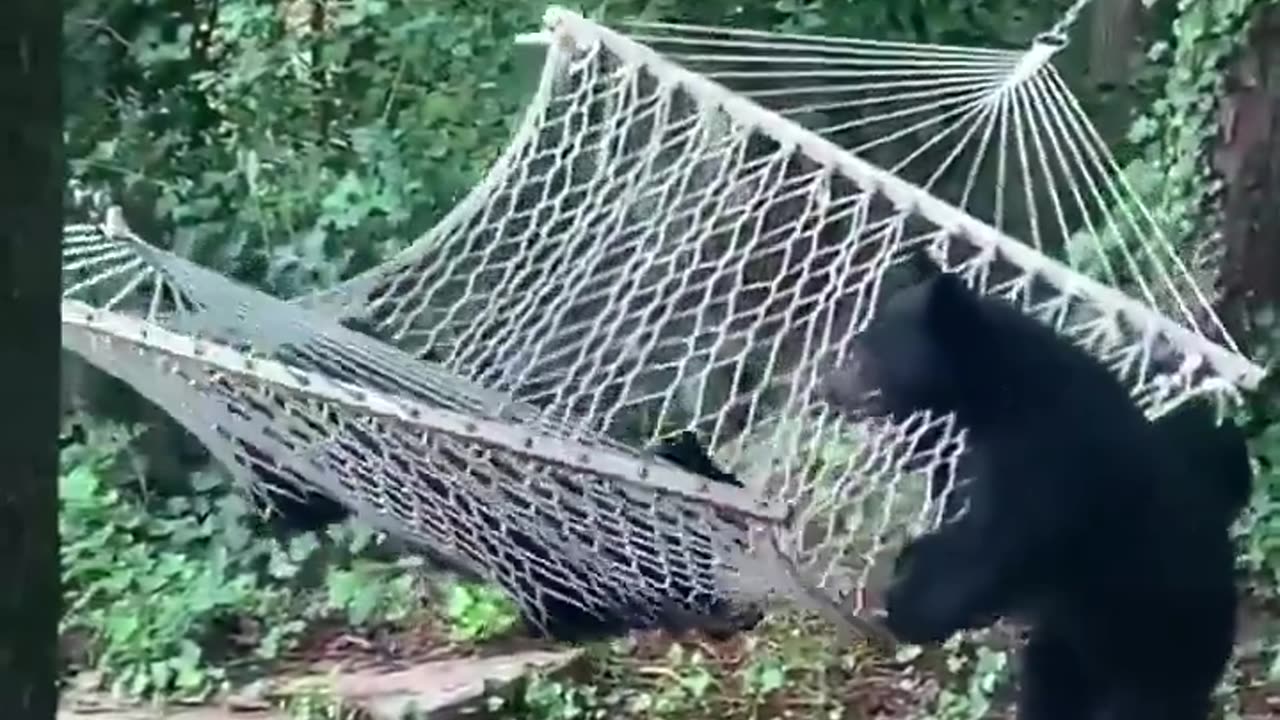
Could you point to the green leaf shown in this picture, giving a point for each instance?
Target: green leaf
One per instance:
(79, 486)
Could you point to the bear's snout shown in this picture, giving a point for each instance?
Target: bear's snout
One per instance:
(831, 388)
(843, 385)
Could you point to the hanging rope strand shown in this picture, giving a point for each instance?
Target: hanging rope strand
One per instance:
(1067, 21)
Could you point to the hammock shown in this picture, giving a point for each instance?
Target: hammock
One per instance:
(654, 252)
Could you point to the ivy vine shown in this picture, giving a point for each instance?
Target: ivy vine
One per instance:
(1177, 130)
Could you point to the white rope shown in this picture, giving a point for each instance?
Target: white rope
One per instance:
(1123, 194)
(1032, 110)
(102, 326)
(956, 90)
(1060, 29)
(879, 93)
(834, 65)
(1020, 132)
(688, 34)
(963, 104)
(974, 110)
(903, 193)
(945, 85)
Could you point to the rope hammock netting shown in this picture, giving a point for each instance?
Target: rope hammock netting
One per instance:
(664, 247)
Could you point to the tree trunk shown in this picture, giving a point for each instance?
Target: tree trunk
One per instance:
(1248, 159)
(31, 187)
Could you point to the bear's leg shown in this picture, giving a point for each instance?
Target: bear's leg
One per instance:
(959, 577)
(1052, 681)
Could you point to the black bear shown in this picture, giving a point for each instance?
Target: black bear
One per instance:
(1216, 452)
(1084, 520)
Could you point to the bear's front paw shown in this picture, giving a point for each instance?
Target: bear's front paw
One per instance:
(911, 619)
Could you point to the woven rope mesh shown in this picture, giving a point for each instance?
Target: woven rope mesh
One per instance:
(550, 533)
(995, 131)
(653, 253)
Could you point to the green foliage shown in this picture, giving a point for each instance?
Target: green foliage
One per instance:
(316, 701)
(1168, 142)
(291, 143)
(982, 22)
(790, 666)
(1259, 530)
(984, 671)
(165, 594)
(479, 612)
(684, 685)
(689, 686)
(547, 699)
(1175, 131)
(1260, 534)
(765, 675)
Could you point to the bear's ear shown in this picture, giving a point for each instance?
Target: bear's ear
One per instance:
(953, 310)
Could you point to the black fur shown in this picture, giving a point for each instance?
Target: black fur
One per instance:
(684, 449)
(1217, 454)
(297, 510)
(1085, 520)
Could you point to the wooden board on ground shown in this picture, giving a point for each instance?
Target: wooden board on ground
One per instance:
(433, 689)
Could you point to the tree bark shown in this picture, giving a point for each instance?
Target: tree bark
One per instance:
(31, 192)
(1248, 158)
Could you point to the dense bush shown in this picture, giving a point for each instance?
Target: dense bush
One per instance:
(164, 594)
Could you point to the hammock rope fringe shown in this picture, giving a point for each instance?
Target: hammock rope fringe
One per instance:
(958, 99)
(908, 197)
(655, 251)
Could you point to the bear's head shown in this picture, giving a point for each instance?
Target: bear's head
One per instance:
(920, 352)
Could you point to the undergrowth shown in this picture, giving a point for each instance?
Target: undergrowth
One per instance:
(178, 596)
(476, 612)
(170, 595)
(791, 666)
(1260, 535)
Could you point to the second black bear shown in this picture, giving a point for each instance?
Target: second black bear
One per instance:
(1084, 519)
(687, 452)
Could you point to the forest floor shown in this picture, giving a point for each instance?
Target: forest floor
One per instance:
(790, 667)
